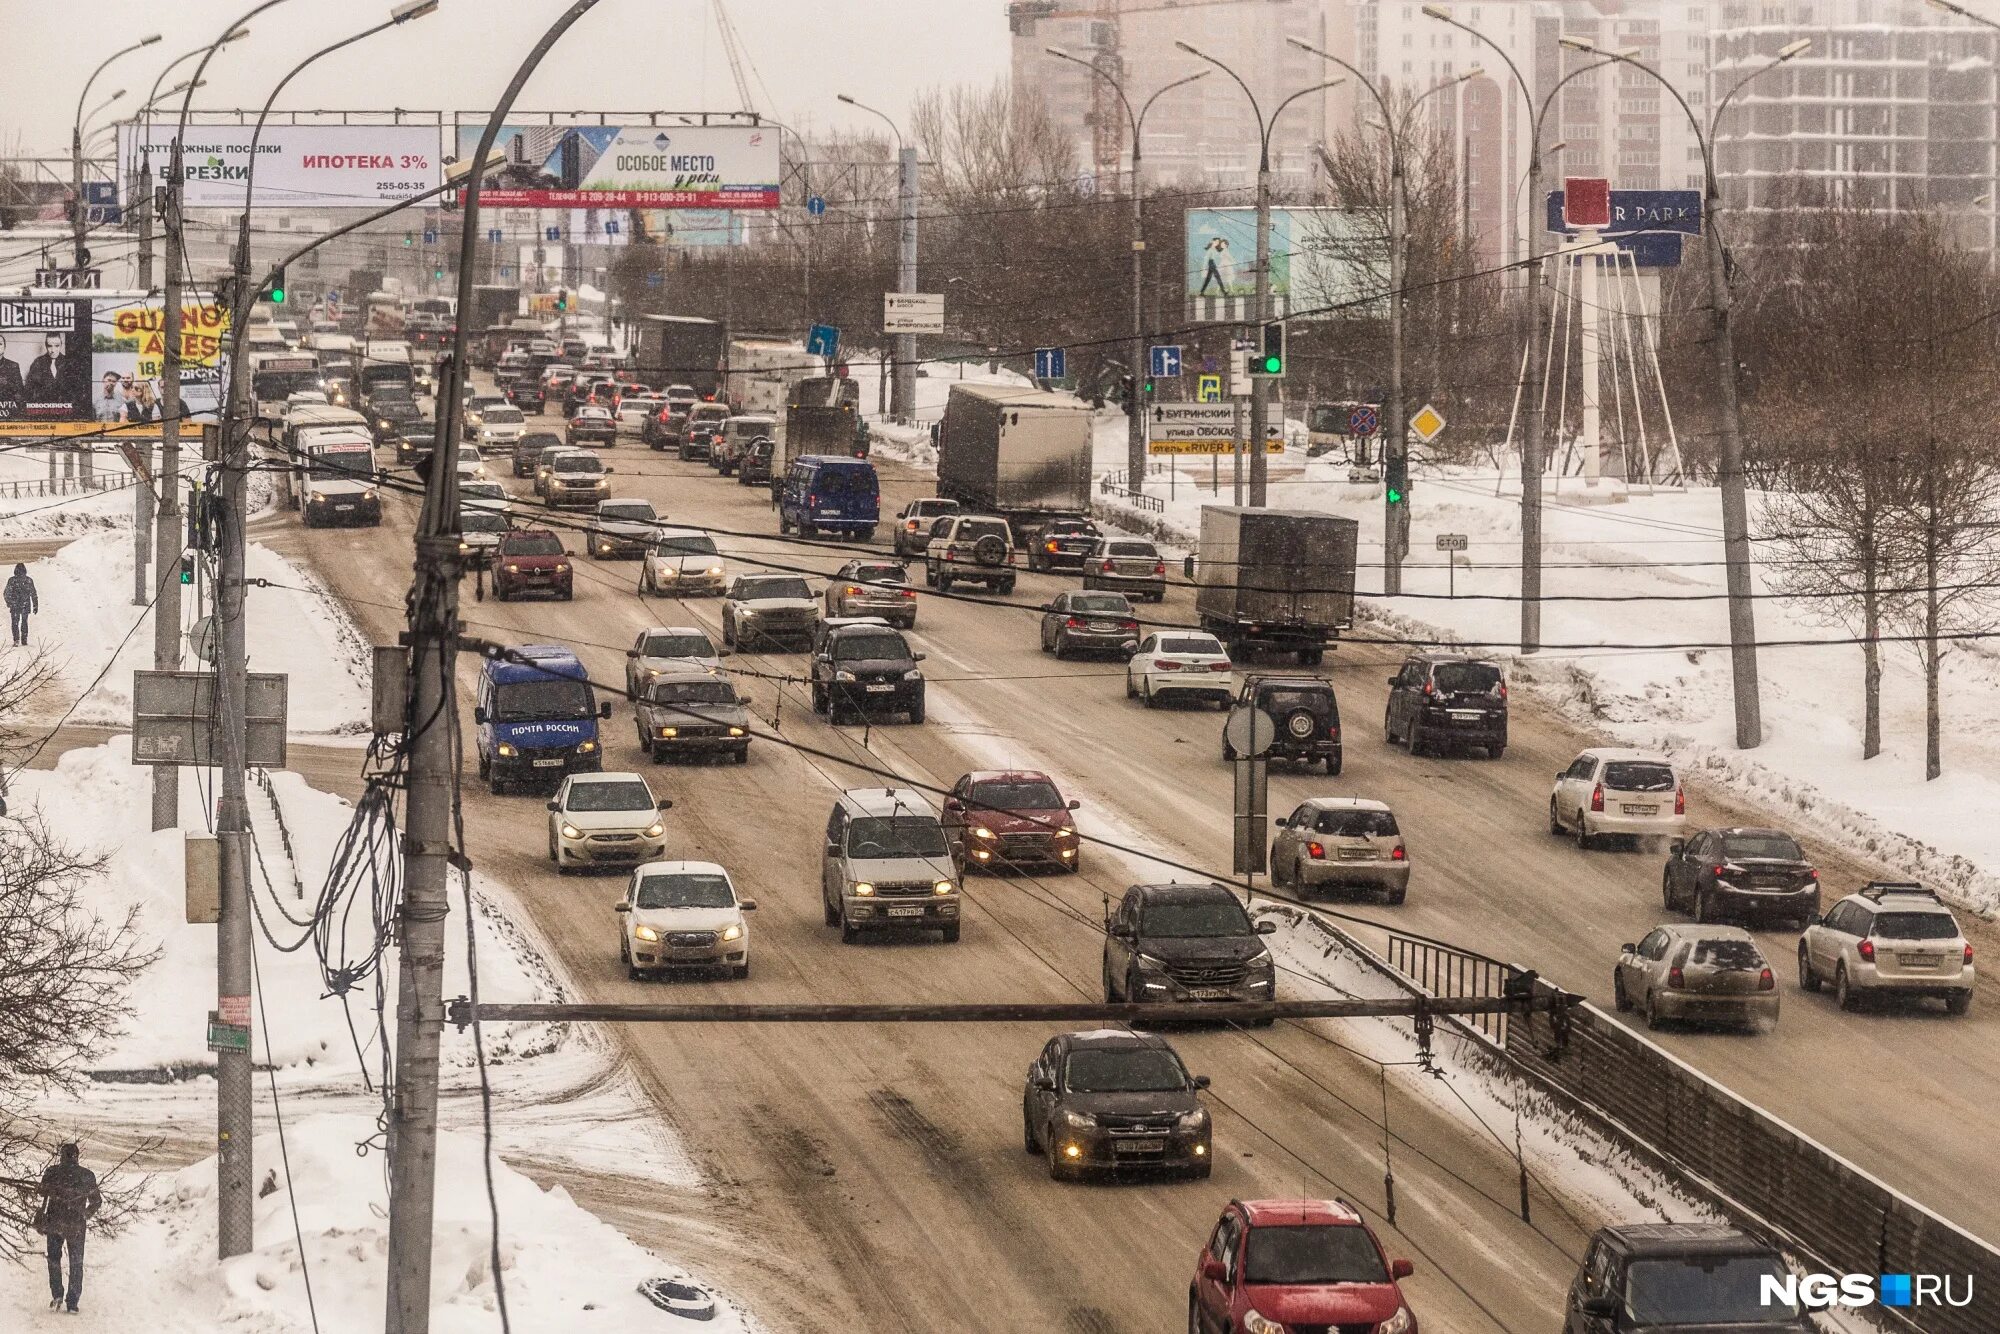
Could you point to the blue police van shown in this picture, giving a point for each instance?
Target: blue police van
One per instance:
(824, 494)
(535, 718)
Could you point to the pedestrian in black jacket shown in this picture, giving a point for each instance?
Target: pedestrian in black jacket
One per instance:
(70, 1199)
(21, 599)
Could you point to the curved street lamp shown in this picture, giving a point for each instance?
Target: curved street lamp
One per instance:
(903, 389)
(79, 253)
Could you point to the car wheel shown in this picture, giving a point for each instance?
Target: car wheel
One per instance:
(1702, 912)
(1619, 1000)
(1495, 752)
(1058, 1170)
(1062, 646)
(917, 712)
(1808, 979)
(741, 970)
(832, 913)
(1228, 752)
(950, 934)
(1131, 692)
(1110, 992)
(632, 973)
(1844, 995)
(819, 699)
(1148, 698)
(1007, 587)
(1652, 1013)
(1194, 1317)
(1332, 766)
(1419, 744)
(943, 582)
(1958, 1002)
(1394, 897)
(784, 525)
(1388, 730)
(1667, 891)
(1583, 839)
(743, 754)
(849, 933)
(1555, 824)
(1029, 1144)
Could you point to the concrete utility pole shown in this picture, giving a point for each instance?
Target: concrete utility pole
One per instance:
(1135, 438)
(433, 776)
(903, 389)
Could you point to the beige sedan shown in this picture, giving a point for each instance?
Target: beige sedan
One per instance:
(1697, 974)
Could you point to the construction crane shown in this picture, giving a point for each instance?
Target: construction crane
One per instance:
(740, 67)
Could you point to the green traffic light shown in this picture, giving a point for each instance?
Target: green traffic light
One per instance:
(277, 296)
(1395, 496)
(1272, 365)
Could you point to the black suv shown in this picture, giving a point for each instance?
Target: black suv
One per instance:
(394, 418)
(1111, 1101)
(1760, 873)
(857, 669)
(1442, 700)
(1677, 1278)
(1185, 943)
(1307, 715)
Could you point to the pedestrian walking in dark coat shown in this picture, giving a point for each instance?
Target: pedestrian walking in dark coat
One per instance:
(21, 601)
(70, 1199)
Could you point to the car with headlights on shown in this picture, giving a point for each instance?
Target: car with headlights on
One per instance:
(469, 464)
(1061, 544)
(886, 864)
(669, 650)
(605, 819)
(1697, 974)
(622, 528)
(1180, 664)
(392, 419)
(682, 562)
(484, 495)
(1089, 623)
(575, 479)
(1341, 842)
(1889, 939)
(1112, 1101)
(1185, 943)
(476, 408)
(691, 712)
(1444, 701)
(531, 560)
(1291, 1266)
(873, 588)
(1129, 563)
(1681, 1278)
(592, 425)
(479, 534)
(1011, 818)
(1609, 792)
(866, 669)
(1750, 874)
(680, 914)
(771, 610)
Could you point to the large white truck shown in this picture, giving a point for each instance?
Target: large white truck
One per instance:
(761, 373)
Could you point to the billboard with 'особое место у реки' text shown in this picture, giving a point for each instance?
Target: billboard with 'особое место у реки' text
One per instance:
(627, 166)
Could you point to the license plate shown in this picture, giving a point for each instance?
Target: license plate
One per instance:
(1139, 1146)
(1209, 993)
(1917, 960)
(549, 764)
(1466, 715)
(1103, 627)
(911, 911)
(1642, 810)
(880, 690)
(342, 509)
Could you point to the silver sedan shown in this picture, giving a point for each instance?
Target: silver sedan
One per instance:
(1699, 974)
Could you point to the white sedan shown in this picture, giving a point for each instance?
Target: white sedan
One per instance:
(1183, 664)
(683, 915)
(605, 819)
(633, 410)
(470, 465)
(474, 493)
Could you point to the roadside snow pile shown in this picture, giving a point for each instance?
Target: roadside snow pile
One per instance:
(563, 1268)
(31, 515)
(98, 801)
(911, 443)
(87, 617)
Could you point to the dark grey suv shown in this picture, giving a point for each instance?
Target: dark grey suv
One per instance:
(1678, 1278)
(1441, 701)
(1111, 1101)
(1184, 943)
(1307, 714)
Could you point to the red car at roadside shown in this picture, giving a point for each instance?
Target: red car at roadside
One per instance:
(1284, 1266)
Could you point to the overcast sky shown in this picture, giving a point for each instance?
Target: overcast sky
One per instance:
(625, 55)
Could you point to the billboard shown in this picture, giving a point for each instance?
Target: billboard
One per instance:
(298, 166)
(1326, 263)
(91, 366)
(628, 166)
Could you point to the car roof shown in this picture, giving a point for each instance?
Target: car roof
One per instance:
(1103, 1038)
(624, 500)
(673, 630)
(1683, 1238)
(1624, 753)
(1903, 898)
(1292, 681)
(681, 868)
(1008, 776)
(885, 801)
(609, 776)
(1706, 931)
(1347, 803)
(1283, 1213)
(1726, 830)
(869, 623)
(1184, 890)
(684, 674)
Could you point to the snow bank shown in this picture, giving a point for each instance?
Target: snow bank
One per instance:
(67, 515)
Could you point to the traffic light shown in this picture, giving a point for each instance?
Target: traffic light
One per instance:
(274, 291)
(1396, 478)
(562, 299)
(437, 274)
(187, 567)
(1146, 386)
(1270, 358)
(409, 238)
(1125, 395)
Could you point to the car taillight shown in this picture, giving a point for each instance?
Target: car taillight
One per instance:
(1222, 666)
(1107, 567)
(911, 526)
(1680, 801)
(1159, 567)
(1866, 949)
(1166, 665)
(1676, 978)
(811, 499)
(1596, 796)
(1968, 954)
(1074, 623)
(1397, 854)
(1502, 689)
(1718, 871)
(1429, 689)
(1765, 982)
(908, 593)
(951, 553)
(1133, 626)
(1812, 872)
(1316, 851)
(853, 591)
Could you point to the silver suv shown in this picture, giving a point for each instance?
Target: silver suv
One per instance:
(1893, 939)
(887, 864)
(974, 548)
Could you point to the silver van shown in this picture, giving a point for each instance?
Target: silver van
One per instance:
(886, 864)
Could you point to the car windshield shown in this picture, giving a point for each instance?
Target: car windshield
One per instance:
(1129, 549)
(535, 544)
(504, 417)
(1036, 794)
(610, 797)
(577, 463)
(1915, 926)
(772, 588)
(684, 890)
(692, 692)
(1729, 955)
(482, 490)
(1638, 776)
(878, 645)
(551, 700)
(486, 403)
(1704, 1290)
(879, 574)
(630, 511)
(1289, 699)
(1765, 847)
(537, 440)
(973, 530)
(694, 544)
(1123, 1070)
(481, 521)
(677, 646)
(1211, 647)
(1325, 419)
(1356, 824)
(1189, 918)
(1112, 603)
(895, 836)
(1315, 1253)
(1469, 678)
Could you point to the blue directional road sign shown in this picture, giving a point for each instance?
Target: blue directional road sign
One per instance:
(611, 226)
(1166, 360)
(553, 233)
(823, 340)
(1051, 363)
(430, 236)
(816, 206)
(333, 294)
(494, 235)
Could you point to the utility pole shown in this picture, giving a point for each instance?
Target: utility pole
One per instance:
(1396, 438)
(904, 402)
(168, 539)
(142, 490)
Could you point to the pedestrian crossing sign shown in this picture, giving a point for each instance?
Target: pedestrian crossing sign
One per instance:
(1209, 389)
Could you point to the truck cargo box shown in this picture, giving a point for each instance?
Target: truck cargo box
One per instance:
(1279, 579)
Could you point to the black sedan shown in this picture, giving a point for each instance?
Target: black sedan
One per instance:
(1760, 873)
(1061, 545)
(593, 426)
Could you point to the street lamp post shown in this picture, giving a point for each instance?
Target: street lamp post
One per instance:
(1260, 385)
(903, 391)
(1135, 439)
(1730, 478)
(80, 253)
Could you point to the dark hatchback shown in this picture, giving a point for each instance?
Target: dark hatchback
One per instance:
(1183, 943)
(1113, 1101)
(1442, 701)
(1760, 873)
(1307, 714)
(1678, 1278)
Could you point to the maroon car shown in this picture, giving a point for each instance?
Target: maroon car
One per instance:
(1011, 817)
(530, 560)
(1296, 1265)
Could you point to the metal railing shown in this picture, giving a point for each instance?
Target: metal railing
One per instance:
(1113, 484)
(1446, 972)
(62, 486)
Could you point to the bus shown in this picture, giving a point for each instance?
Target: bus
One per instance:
(276, 375)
